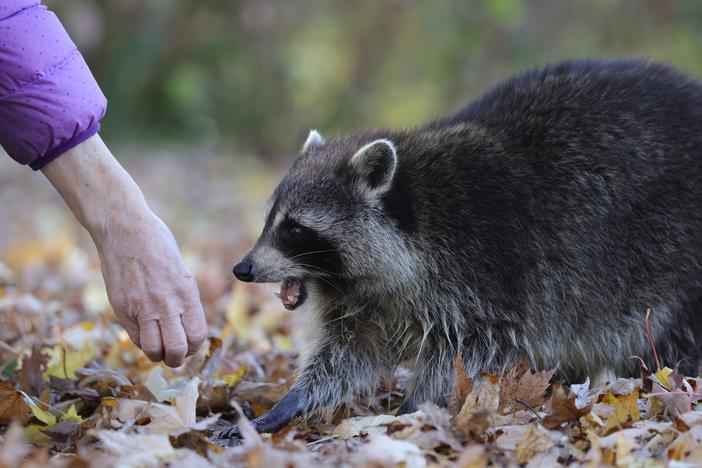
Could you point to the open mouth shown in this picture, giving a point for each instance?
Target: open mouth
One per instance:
(292, 293)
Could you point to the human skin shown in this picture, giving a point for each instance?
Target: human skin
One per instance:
(152, 293)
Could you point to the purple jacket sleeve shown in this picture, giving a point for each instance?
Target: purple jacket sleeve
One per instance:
(49, 100)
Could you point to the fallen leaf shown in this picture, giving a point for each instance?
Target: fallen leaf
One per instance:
(462, 387)
(72, 415)
(146, 450)
(473, 456)
(625, 412)
(64, 363)
(535, 440)
(14, 447)
(563, 409)
(582, 394)
(30, 375)
(381, 450)
(12, 404)
(352, 427)
(522, 388)
(234, 378)
(42, 415)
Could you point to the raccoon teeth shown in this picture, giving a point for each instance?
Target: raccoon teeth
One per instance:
(291, 293)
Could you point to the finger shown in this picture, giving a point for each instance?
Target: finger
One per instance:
(174, 341)
(195, 326)
(151, 342)
(132, 329)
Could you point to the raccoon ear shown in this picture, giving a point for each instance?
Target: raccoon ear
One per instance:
(313, 139)
(374, 165)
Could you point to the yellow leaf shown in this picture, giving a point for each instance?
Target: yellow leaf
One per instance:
(42, 415)
(235, 377)
(33, 433)
(64, 363)
(625, 412)
(109, 401)
(238, 319)
(663, 377)
(72, 415)
(535, 440)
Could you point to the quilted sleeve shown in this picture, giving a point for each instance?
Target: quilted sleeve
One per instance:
(49, 100)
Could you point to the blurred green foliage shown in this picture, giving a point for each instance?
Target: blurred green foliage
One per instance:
(255, 75)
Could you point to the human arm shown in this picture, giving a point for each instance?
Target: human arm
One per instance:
(50, 112)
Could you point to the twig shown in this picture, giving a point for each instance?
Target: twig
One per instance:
(529, 407)
(10, 348)
(650, 339)
(323, 439)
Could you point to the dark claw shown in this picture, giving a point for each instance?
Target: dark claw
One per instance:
(407, 407)
(277, 418)
(231, 433)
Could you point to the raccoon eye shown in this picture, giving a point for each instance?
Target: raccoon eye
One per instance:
(294, 230)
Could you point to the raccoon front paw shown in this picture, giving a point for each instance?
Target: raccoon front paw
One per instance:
(231, 433)
(277, 418)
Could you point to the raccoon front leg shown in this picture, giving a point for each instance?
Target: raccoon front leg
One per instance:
(338, 371)
(433, 380)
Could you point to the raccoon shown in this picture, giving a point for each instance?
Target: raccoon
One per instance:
(538, 223)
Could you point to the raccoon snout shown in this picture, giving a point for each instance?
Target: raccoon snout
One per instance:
(244, 271)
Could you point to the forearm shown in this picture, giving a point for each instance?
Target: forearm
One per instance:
(96, 188)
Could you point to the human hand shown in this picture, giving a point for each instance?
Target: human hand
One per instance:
(152, 293)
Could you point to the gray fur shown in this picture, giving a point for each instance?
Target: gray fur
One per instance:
(536, 224)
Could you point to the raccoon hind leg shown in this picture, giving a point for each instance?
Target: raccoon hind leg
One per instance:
(681, 343)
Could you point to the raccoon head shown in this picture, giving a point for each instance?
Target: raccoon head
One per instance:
(325, 225)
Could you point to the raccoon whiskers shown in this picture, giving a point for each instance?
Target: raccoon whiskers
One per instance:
(329, 282)
(312, 253)
(316, 268)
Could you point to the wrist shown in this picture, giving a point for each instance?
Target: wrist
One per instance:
(101, 194)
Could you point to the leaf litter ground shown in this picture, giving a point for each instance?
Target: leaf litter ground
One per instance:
(75, 392)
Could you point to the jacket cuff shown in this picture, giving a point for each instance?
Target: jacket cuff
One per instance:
(69, 145)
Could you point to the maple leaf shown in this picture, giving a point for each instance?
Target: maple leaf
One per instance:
(479, 405)
(522, 388)
(626, 411)
(563, 409)
(12, 404)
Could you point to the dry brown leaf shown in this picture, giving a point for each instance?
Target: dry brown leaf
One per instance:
(563, 409)
(522, 388)
(462, 388)
(30, 376)
(484, 398)
(474, 426)
(12, 404)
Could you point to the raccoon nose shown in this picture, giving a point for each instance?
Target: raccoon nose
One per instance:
(244, 271)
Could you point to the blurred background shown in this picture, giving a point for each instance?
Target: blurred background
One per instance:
(209, 100)
(253, 76)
